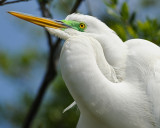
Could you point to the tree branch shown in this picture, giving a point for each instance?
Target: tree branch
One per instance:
(74, 9)
(49, 75)
(4, 2)
(51, 68)
(76, 5)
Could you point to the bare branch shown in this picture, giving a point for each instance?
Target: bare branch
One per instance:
(49, 75)
(76, 5)
(51, 67)
(4, 2)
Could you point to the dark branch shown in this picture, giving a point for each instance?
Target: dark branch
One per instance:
(51, 67)
(49, 75)
(4, 2)
(76, 5)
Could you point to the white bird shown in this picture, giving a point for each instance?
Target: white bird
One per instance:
(115, 84)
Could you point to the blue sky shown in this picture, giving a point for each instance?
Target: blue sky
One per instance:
(17, 35)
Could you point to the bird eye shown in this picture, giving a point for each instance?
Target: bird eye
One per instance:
(82, 25)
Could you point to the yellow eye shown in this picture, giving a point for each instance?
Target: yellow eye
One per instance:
(82, 25)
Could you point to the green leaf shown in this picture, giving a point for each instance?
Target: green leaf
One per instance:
(112, 12)
(132, 18)
(119, 29)
(131, 32)
(112, 3)
(115, 2)
(124, 11)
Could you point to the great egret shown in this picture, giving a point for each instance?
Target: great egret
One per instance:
(115, 84)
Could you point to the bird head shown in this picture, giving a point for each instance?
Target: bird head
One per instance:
(74, 24)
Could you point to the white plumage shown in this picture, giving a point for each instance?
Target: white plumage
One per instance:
(115, 84)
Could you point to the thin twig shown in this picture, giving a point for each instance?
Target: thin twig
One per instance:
(3, 2)
(74, 9)
(49, 75)
(76, 5)
(51, 68)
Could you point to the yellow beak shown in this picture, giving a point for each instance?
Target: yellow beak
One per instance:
(44, 22)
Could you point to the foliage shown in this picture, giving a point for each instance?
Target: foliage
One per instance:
(21, 63)
(120, 19)
(53, 116)
(126, 26)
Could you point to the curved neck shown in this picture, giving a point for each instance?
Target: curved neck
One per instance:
(115, 52)
(95, 95)
(114, 48)
(79, 61)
